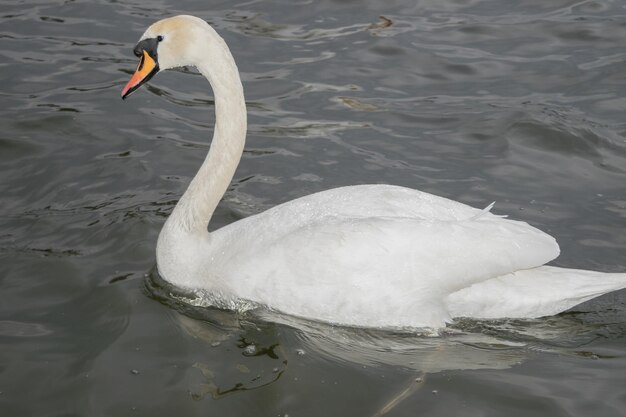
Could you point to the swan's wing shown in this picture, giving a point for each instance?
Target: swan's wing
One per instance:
(454, 254)
(387, 271)
(370, 200)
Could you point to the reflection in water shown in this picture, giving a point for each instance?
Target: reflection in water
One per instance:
(20, 329)
(263, 344)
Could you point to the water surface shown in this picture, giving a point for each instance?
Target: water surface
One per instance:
(478, 101)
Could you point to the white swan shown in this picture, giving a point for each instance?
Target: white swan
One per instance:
(368, 255)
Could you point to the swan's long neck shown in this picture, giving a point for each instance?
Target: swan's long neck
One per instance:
(195, 208)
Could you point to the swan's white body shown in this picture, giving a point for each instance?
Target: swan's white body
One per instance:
(370, 255)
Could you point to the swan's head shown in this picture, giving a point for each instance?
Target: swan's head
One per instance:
(168, 43)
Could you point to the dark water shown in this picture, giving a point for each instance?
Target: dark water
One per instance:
(518, 102)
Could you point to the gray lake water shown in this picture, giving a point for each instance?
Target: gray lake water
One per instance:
(520, 102)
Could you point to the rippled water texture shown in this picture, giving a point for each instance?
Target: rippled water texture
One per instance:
(519, 102)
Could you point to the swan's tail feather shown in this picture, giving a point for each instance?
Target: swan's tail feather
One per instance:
(532, 293)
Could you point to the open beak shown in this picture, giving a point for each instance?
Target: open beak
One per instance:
(145, 70)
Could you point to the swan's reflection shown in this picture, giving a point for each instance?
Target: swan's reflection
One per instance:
(266, 341)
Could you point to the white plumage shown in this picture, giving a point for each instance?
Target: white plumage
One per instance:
(368, 255)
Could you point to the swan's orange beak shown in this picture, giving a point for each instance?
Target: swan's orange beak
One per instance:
(145, 70)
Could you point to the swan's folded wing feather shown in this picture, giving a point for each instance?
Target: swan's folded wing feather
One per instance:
(371, 200)
(359, 271)
(453, 254)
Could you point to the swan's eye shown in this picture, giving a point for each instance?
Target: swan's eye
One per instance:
(159, 38)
